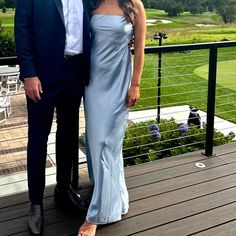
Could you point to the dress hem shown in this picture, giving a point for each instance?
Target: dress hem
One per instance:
(107, 221)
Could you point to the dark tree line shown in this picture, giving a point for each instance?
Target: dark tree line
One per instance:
(225, 8)
(8, 4)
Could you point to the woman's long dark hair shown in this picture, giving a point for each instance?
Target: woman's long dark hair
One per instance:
(126, 5)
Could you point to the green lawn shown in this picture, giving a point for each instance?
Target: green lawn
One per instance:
(183, 28)
(181, 85)
(7, 20)
(226, 76)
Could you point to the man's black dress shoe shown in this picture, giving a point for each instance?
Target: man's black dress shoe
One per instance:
(70, 199)
(35, 220)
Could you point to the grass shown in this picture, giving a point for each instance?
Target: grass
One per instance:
(183, 28)
(225, 73)
(181, 85)
(7, 21)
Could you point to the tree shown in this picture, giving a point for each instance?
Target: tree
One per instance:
(179, 8)
(176, 7)
(173, 8)
(2, 3)
(194, 10)
(145, 3)
(227, 10)
(10, 4)
(153, 4)
(197, 9)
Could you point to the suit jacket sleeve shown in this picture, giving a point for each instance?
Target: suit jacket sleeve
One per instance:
(23, 38)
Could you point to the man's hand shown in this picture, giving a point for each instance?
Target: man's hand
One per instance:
(33, 88)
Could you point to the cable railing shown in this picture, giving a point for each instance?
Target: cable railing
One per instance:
(186, 104)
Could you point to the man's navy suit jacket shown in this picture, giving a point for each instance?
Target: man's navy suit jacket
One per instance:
(40, 40)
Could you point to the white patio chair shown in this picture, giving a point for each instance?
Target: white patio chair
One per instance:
(3, 114)
(12, 83)
(5, 100)
(20, 84)
(3, 109)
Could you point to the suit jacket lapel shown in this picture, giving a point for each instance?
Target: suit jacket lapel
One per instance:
(60, 9)
(86, 15)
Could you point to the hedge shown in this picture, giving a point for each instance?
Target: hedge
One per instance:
(147, 141)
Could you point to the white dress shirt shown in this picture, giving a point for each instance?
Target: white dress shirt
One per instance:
(73, 18)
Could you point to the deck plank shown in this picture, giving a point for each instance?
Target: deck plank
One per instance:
(171, 172)
(166, 217)
(180, 183)
(224, 229)
(164, 163)
(21, 210)
(229, 158)
(167, 197)
(192, 224)
(139, 191)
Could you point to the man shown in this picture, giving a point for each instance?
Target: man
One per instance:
(53, 48)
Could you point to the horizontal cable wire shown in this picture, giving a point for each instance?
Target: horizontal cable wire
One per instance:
(174, 139)
(165, 67)
(174, 94)
(230, 127)
(184, 101)
(190, 56)
(224, 112)
(174, 67)
(180, 66)
(170, 76)
(162, 150)
(226, 95)
(226, 53)
(161, 132)
(189, 92)
(145, 126)
(174, 85)
(224, 104)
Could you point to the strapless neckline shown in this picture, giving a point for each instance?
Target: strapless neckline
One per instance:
(107, 15)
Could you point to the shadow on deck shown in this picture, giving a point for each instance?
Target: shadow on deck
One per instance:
(169, 197)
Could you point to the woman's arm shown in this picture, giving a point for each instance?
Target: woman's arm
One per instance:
(139, 43)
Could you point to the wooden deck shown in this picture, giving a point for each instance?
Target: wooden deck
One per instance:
(169, 197)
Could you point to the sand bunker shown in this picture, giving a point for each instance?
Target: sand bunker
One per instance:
(204, 25)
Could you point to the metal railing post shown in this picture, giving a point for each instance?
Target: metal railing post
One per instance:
(159, 85)
(211, 100)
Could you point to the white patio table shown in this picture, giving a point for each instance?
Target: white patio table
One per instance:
(7, 71)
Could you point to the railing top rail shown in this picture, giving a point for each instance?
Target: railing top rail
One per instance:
(185, 47)
(156, 49)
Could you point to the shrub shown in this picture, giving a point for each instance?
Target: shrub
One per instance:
(7, 46)
(143, 146)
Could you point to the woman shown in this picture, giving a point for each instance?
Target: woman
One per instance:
(113, 88)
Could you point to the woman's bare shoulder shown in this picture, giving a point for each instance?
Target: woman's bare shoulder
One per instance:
(138, 4)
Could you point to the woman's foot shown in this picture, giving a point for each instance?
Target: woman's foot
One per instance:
(87, 229)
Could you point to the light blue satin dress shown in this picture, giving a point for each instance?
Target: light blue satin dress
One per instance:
(106, 113)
